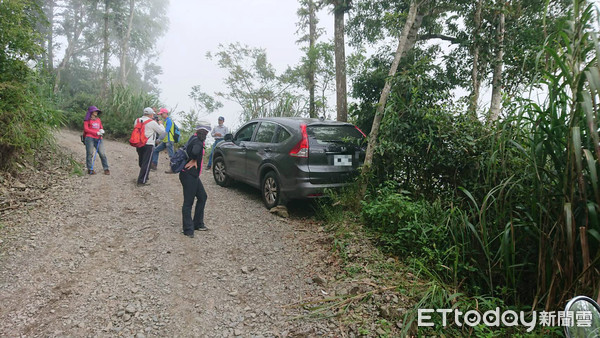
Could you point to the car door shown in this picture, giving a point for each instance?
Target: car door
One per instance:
(235, 153)
(259, 150)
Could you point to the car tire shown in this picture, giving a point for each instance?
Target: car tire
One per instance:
(271, 190)
(219, 172)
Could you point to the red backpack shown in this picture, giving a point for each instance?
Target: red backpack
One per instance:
(138, 137)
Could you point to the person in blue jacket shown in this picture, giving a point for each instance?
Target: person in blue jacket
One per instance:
(167, 141)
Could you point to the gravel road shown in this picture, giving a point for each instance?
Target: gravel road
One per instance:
(98, 256)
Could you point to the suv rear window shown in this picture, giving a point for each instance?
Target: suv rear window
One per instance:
(324, 135)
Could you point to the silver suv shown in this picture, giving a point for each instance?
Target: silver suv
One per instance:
(290, 158)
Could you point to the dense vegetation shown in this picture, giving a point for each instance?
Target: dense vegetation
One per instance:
(505, 211)
(37, 93)
(496, 205)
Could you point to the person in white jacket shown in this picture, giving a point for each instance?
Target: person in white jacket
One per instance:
(152, 130)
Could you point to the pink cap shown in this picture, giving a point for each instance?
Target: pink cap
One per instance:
(163, 110)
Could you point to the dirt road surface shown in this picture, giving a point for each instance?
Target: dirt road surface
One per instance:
(98, 256)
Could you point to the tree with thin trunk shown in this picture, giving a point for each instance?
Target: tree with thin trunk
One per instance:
(402, 43)
(475, 78)
(105, 48)
(308, 19)
(496, 104)
(76, 23)
(312, 36)
(49, 11)
(340, 7)
(124, 69)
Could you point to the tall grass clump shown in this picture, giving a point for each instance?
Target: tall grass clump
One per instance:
(508, 211)
(537, 224)
(119, 108)
(122, 107)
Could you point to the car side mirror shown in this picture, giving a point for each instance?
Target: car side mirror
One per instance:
(228, 137)
(585, 314)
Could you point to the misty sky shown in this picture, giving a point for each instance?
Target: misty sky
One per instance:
(198, 26)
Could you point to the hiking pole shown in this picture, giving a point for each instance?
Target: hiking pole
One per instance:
(95, 152)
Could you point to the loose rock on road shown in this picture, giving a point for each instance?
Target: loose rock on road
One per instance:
(96, 255)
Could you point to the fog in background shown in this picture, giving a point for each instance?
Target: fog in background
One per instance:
(197, 27)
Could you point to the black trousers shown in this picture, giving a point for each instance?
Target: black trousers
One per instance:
(192, 190)
(144, 157)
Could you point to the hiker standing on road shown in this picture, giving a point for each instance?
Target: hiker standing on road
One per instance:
(152, 129)
(193, 189)
(92, 133)
(167, 142)
(218, 134)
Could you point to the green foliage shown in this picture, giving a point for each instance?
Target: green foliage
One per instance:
(423, 144)
(540, 209)
(253, 83)
(26, 113)
(119, 109)
(188, 124)
(517, 201)
(131, 42)
(75, 108)
(122, 107)
(407, 228)
(203, 101)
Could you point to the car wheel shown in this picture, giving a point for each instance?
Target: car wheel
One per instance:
(271, 190)
(219, 172)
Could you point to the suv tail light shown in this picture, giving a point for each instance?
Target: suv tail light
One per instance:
(363, 134)
(301, 149)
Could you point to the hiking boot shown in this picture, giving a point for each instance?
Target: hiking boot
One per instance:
(208, 167)
(91, 172)
(169, 172)
(201, 228)
(142, 184)
(189, 235)
(152, 166)
(106, 172)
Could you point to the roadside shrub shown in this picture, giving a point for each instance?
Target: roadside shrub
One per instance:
(75, 108)
(406, 227)
(121, 107)
(27, 119)
(26, 114)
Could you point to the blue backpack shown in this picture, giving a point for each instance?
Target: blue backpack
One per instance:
(179, 160)
(176, 133)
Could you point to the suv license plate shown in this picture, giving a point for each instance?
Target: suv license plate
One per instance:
(342, 160)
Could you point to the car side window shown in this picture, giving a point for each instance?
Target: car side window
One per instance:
(282, 135)
(265, 132)
(245, 134)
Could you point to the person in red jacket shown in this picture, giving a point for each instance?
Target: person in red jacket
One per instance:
(92, 133)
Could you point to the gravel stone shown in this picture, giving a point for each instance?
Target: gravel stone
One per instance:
(112, 255)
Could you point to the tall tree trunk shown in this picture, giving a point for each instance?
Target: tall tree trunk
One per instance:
(475, 50)
(50, 36)
(72, 41)
(496, 104)
(312, 38)
(340, 61)
(402, 43)
(105, 49)
(125, 45)
(413, 33)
